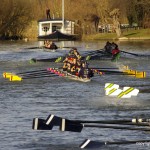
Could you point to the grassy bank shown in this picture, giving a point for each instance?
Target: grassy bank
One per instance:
(127, 34)
(130, 34)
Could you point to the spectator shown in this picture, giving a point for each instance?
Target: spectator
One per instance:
(48, 13)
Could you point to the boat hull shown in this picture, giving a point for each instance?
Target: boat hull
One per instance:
(57, 36)
(69, 76)
(74, 77)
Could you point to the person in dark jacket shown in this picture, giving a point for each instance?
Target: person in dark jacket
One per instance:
(48, 13)
(108, 47)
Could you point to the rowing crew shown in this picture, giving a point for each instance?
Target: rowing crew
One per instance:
(112, 48)
(50, 45)
(75, 66)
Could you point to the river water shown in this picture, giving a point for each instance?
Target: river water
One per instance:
(20, 102)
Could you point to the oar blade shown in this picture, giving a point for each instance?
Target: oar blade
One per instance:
(7, 74)
(67, 125)
(53, 120)
(33, 60)
(39, 124)
(140, 74)
(15, 78)
(59, 59)
(88, 144)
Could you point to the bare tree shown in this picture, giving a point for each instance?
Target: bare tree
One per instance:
(92, 18)
(16, 18)
(114, 16)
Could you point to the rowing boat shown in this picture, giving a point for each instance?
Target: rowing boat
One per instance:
(68, 75)
(49, 50)
(74, 77)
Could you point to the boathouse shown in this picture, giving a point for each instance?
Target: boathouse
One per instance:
(46, 27)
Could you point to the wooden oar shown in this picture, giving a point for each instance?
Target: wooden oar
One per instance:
(134, 54)
(41, 124)
(31, 74)
(88, 55)
(36, 47)
(41, 47)
(61, 58)
(37, 74)
(34, 71)
(99, 68)
(93, 52)
(53, 120)
(48, 72)
(107, 71)
(69, 47)
(99, 56)
(68, 125)
(56, 59)
(110, 72)
(72, 126)
(19, 78)
(89, 144)
(7, 74)
(43, 76)
(119, 122)
(96, 53)
(133, 73)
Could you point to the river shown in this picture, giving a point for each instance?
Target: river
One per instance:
(20, 102)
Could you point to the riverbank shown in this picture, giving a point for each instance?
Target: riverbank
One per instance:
(130, 34)
(31, 33)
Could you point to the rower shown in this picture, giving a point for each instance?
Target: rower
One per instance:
(82, 71)
(115, 52)
(47, 44)
(50, 45)
(71, 52)
(74, 67)
(108, 47)
(73, 70)
(65, 64)
(68, 67)
(53, 46)
(76, 53)
(90, 73)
